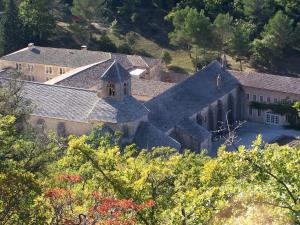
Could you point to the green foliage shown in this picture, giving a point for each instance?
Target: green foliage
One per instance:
(37, 20)
(166, 57)
(278, 34)
(290, 110)
(11, 33)
(258, 10)
(223, 28)
(131, 37)
(105, 44)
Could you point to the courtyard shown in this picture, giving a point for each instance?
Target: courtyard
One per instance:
(249, 131)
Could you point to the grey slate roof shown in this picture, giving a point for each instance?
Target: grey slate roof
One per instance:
(75, 58)
(115, 73)
(149, 88)
(194, 130)
(89, 78)
(268, 81)
(148, 136)
(80, 105)
(189, 96)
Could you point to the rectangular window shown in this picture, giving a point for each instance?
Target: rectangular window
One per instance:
(248, 96)
(259, 112)
(19, 66)
(268, 99)
(62, 70)
(250, 111)
(254, 97)
(275, 100)
(48, 70)
(261, 98)
(272, 118)
(30, 68)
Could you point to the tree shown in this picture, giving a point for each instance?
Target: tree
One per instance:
(277, 36)
(37, 20)
(105, 44)
(223, 29)
(88, 11)
(258, 10)
(23, 160)
(166, 57)
(11, 35)
(240, 42)
(191, 28)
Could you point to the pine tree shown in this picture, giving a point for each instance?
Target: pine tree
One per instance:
(11, 35)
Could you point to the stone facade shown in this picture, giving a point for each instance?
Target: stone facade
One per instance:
(266, 96)
(35, 72)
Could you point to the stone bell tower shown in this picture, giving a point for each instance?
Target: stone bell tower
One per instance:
(116, 82)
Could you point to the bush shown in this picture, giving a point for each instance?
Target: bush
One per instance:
(105, 44)
(166, 57)
(131, 38)
(125, 49)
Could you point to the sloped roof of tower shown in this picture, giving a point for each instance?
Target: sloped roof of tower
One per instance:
(115, 73)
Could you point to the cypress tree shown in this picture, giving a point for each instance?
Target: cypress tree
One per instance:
(11, 35)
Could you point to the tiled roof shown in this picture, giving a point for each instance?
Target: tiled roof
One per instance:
(115, 73)
(194, 130)
(90, 78)
(149, 88)
(78, 104)
(268, 81)
(75, 58)
(190, 96)
(148, 136)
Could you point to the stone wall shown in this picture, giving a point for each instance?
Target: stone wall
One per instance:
(267, 97)
(71, 127)
(38, 73)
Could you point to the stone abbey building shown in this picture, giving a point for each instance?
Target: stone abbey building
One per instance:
(124, 92)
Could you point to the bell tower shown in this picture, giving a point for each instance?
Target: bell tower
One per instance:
(116, 82)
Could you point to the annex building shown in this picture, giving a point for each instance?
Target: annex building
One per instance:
(84, 88)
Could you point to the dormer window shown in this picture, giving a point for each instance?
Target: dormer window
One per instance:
(125, 88)
(111, 89)
(48, 70)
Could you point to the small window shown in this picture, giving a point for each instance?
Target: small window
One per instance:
(19, 66)
(268, 99)
(254, 97)
(111, 90)
(48, 70)
(248, 96)
(125, 88)
(275, 100)
(261, 98)
(250, 111)
(62, 70)
(30, 68)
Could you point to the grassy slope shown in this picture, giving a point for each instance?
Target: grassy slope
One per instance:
(152, 32)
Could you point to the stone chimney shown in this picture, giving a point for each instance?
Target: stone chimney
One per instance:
(83, 47)
(30, 46)
(219, 82)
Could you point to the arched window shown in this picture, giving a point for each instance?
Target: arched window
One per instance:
(125, 88)
(61, 130)
(40, 126)
(111, 89)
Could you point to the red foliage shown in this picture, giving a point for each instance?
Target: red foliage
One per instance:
(70, 178)
(56, 193)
